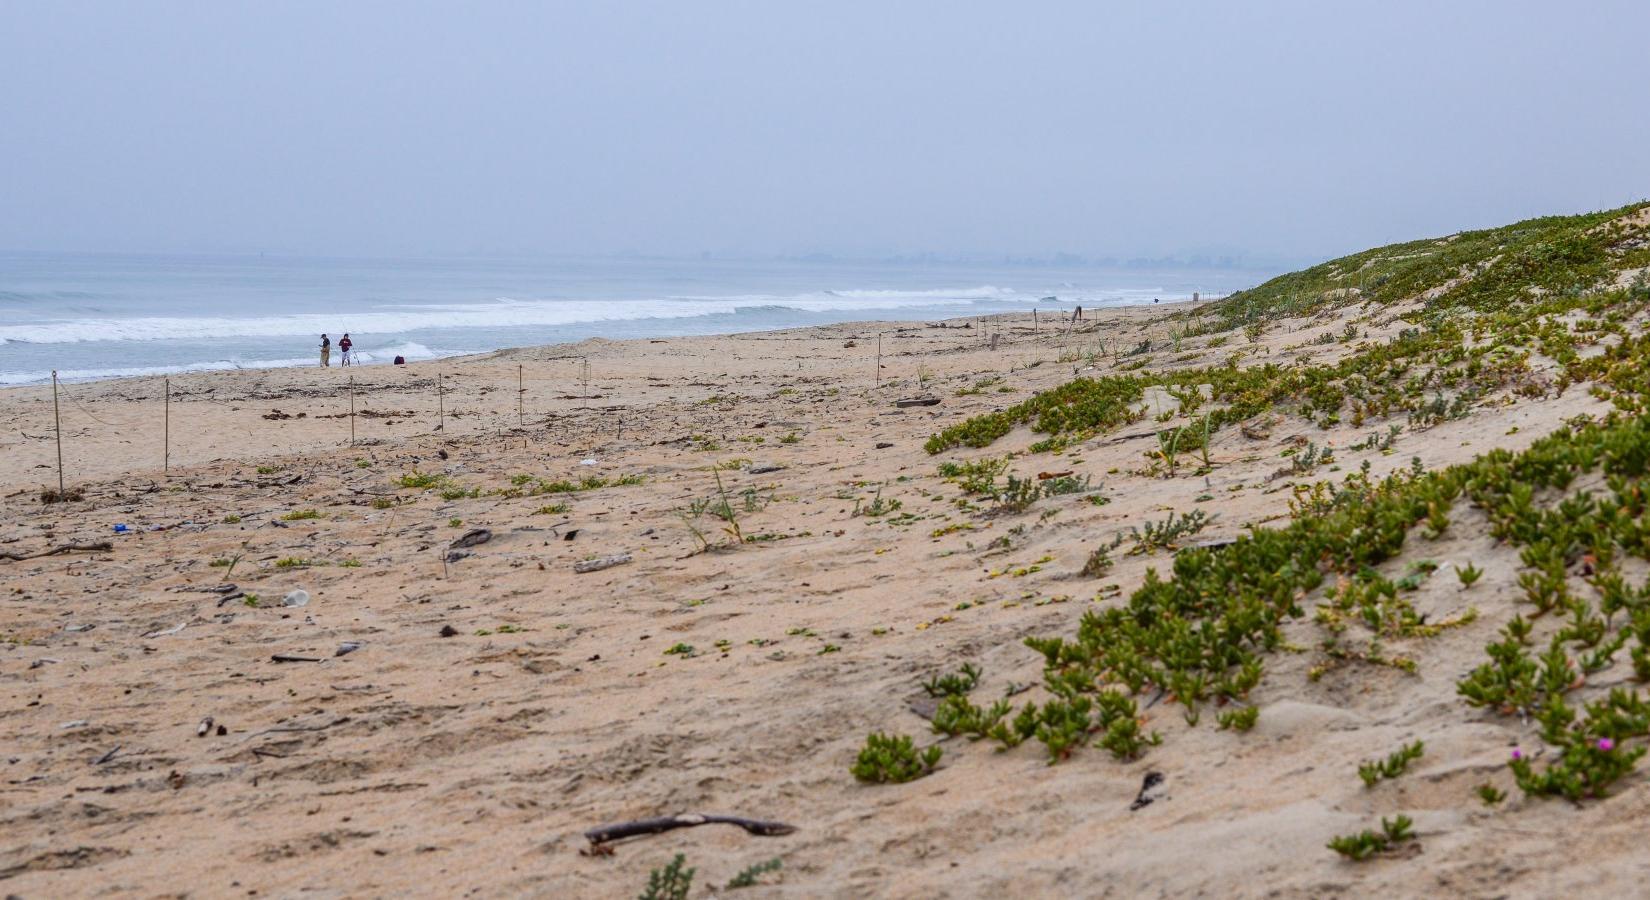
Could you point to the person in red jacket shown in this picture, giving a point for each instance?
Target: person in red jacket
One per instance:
(344, 343)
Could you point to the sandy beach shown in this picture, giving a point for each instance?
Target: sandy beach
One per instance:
(496, 703)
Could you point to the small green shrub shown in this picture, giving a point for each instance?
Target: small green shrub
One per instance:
(893, 758)
(1367, 843)
(1393, 766)
(417, 479)
(748, 876)
(669, 883)
(956, 684)
(1239, 719)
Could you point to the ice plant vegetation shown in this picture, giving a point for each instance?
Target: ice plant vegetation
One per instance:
(1476, 310)
(893, 758)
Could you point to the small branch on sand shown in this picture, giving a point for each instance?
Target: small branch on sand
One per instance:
(600, 563)
(98, 547)
(606, 833)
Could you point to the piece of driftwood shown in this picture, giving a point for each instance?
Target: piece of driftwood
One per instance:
(1149, 792)
(98, 547)
(917, 401)
(662, 824)
(287, 657)
(600, 563)
(472, 538)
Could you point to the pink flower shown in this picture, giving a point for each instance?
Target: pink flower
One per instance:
(1517, 754)
(1606, 744)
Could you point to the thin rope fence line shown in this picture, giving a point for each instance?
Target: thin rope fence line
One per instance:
(89, 414)
(476, 398)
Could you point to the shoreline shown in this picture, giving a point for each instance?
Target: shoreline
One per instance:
(190, 368)
(479, 393)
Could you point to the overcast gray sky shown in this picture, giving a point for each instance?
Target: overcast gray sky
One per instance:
(1294, 129)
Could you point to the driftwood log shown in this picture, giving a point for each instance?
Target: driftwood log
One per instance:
(98, 547)
(606, 833)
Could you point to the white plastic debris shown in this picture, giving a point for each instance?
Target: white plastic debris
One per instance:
(296, 598)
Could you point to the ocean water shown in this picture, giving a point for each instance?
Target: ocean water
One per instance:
(108, 316)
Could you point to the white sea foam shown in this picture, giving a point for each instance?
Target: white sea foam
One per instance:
(511, 313)
(409, 350)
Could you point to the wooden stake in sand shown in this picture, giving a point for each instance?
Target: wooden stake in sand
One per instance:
(166, 426)
(879, 360)
(57, 426)
(440, 408)
(521, 398)
(584, 395)
(352, 410)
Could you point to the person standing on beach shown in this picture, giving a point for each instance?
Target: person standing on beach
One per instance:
(344, 343)
(326, 350)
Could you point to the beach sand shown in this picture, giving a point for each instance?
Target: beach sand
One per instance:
(424, 765)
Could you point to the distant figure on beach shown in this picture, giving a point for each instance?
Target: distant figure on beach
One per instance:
(344, 343)
(400, 360)
(1077, 314)
(326, 350)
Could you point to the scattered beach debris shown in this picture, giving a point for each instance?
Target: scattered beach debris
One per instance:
(448, 631)
(883, 445)
(107, 756)
(163, 632)
(764, 469)
(76, 629)
(347, 647)
(1150, 791)
(298, 597)
(204, 727)
(600, 563)
(68, 495)
(907, 402)
(288, 657)
(622, 830)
